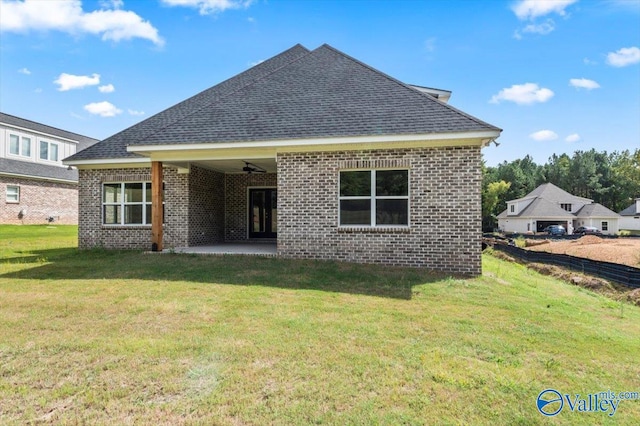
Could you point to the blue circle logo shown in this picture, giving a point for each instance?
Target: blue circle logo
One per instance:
(550, 402)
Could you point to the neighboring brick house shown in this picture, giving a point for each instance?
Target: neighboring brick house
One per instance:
(35, 187)
(549, 205)
(314, 150)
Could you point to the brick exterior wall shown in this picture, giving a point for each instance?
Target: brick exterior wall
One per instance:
(206, 206)
(203, 207)
(237, 207)
(40, 199)
(445, 209)
(91, 231)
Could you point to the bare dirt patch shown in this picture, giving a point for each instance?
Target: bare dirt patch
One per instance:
(625, 251)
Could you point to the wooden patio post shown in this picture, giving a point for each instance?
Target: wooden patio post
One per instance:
(156, 206)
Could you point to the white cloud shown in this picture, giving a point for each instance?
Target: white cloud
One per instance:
(68, 16)
(623, 57)
(107, 88)
(70, 81)
(544, 28)
(574, 137)
(584, 83)
(207, 7)
(111, 4)
(103, 109)
(24, 71)
(544, 135)
(253, 64)
(430, 44)
(588, 61)
(531, 9)
(134, 112)
(523, 94)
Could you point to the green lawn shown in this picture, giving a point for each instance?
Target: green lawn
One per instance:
(117, 337)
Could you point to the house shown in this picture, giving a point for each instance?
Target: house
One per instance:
(35, 187)
(549, 205)
(630, 217)
(312, 150)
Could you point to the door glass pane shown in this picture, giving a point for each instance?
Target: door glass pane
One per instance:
(14, 145)
(133, 214)
(274, 211)
(44, 150)
(112, 193)
(392, 212)
(26, 147)
(355, 212)
(53, 154)
(355, 183)
(111, 215)
(132, 192)
(258, 223)
(392, 182)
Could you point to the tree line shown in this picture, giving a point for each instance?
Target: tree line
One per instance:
(612, 180)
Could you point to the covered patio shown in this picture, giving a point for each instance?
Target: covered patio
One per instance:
(266, 249)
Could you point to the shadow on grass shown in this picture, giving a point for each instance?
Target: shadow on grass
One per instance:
(73, 264)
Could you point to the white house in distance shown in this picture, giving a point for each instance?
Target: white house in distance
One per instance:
(549, 205)
(630, 217)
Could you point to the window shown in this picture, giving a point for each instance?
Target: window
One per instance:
(48, 151)
(512, 208)
(19, 147)
(13, 194)
(126, 203)
(605, 226)
(566, 207)
(374, 198)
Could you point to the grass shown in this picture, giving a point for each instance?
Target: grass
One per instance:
(116, 337)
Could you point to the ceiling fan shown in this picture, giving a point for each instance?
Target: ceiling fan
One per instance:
(252, 168)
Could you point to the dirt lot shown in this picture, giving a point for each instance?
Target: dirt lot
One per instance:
(625, 251)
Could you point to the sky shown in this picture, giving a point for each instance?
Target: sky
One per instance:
(556, 75)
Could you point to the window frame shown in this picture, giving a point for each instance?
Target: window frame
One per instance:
(21, 145)
(604, 225)
(49, 145)
(17, 194)
(373, 197)
(122, 204)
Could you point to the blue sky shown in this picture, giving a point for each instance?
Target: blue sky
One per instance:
(557, 76)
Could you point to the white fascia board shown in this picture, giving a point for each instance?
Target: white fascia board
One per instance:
(483, 138)
(103, 161)
(32, 177)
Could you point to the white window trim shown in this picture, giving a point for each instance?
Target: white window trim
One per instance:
(373, 197)
(49, 144)
(21, 139)
(122, 204)
(17, 200)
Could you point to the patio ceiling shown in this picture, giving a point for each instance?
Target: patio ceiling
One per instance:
(229, 165)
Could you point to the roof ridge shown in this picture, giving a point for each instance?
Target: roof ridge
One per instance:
(218, 99)
(408, 87)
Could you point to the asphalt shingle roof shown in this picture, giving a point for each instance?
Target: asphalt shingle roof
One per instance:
(630, 211)
(83, 141)
(551, 192)
(595, 210)
(295, 95)
(25, 168)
